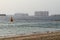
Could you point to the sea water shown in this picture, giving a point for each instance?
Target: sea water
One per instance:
(15, 28)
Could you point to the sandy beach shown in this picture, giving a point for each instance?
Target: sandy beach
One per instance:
(36, 36)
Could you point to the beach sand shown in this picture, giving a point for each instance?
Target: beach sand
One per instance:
(36, 36)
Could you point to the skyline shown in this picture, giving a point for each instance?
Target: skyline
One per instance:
(28, 13)
(40, 13)
(29, 6)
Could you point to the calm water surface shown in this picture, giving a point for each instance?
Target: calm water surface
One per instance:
(27, 27)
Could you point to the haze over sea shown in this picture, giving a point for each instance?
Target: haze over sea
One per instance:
(28, 27)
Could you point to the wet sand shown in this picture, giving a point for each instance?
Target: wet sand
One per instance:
(35, 36)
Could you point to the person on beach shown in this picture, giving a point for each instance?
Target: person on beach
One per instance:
(11, 19)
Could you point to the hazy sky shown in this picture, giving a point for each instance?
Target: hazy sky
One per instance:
(29, 6)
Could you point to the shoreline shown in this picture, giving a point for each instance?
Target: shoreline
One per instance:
(35, 36)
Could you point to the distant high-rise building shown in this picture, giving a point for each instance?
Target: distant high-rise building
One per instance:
(41, 13)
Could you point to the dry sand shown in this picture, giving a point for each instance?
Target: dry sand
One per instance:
(36, 36)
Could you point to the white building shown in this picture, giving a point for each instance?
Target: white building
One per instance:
(41, 13)
(20, 15)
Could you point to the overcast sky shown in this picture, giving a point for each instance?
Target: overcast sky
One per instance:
(29, 6)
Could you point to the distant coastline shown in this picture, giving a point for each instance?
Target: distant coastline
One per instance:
(38, 15)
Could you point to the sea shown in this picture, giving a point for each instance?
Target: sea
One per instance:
(28, 27)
